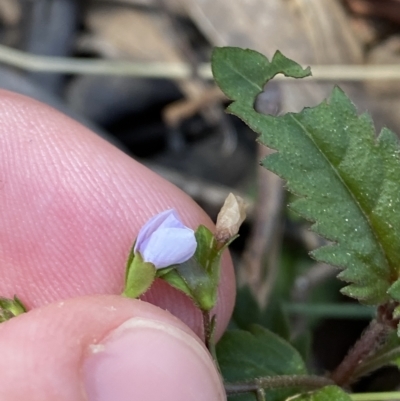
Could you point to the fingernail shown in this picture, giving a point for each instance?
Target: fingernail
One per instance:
(149, 360)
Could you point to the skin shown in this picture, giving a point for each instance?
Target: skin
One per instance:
(71, 206)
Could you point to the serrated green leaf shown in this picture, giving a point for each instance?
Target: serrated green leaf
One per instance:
(242, 74)
(347, 181)
(329, 393)
(244, 355)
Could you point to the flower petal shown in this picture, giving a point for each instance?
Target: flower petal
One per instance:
(168, 218)
(169, 246)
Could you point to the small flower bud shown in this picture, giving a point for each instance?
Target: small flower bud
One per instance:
(230, 218)
(165, 241)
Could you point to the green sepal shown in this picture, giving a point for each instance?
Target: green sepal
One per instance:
(10, 308)
(199, 276)
(139, 275)
(172, 277)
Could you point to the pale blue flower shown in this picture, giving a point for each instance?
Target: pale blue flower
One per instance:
(165, 241)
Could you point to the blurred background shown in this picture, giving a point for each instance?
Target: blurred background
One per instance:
(137, 73)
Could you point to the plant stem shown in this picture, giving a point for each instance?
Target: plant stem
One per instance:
(373, 364)
(260, 395)
(69, 65)
(209, 328)
(276, 382)
(387, 396)
(368, 342)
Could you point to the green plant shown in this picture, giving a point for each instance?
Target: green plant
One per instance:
(346, 183)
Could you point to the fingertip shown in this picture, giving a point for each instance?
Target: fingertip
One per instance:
(104, 348)
(148, 360)
(72, 205)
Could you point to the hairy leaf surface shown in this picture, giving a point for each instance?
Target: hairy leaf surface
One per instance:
(244, 355)
(347, 180)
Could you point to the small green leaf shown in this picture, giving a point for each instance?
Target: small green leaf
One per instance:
(172, 277)
(244, 355)
(199, 276)
(346, 180)
(202, 288)
(139, 275)
(329, 393)
(10, 308)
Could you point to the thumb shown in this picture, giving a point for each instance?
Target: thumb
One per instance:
(104, 348)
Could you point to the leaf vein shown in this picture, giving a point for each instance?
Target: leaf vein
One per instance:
(356, 201)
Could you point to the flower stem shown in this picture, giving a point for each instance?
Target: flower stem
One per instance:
(209, 329)
(369, 341)
(276, 382)
(387, 396)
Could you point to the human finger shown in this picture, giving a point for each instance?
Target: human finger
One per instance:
(104, 348)
(72, 205)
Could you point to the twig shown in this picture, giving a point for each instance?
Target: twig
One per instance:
(68, 65)
(314, 276)
(302, 289)
(377, 363)
(27, 61)
(175, 112)
(368, 342)
(385, 352)
(388, 9)
(303, 235)
(260, 259)
(209, 195)
(177, 35)
(195, 88)
(277, 382)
